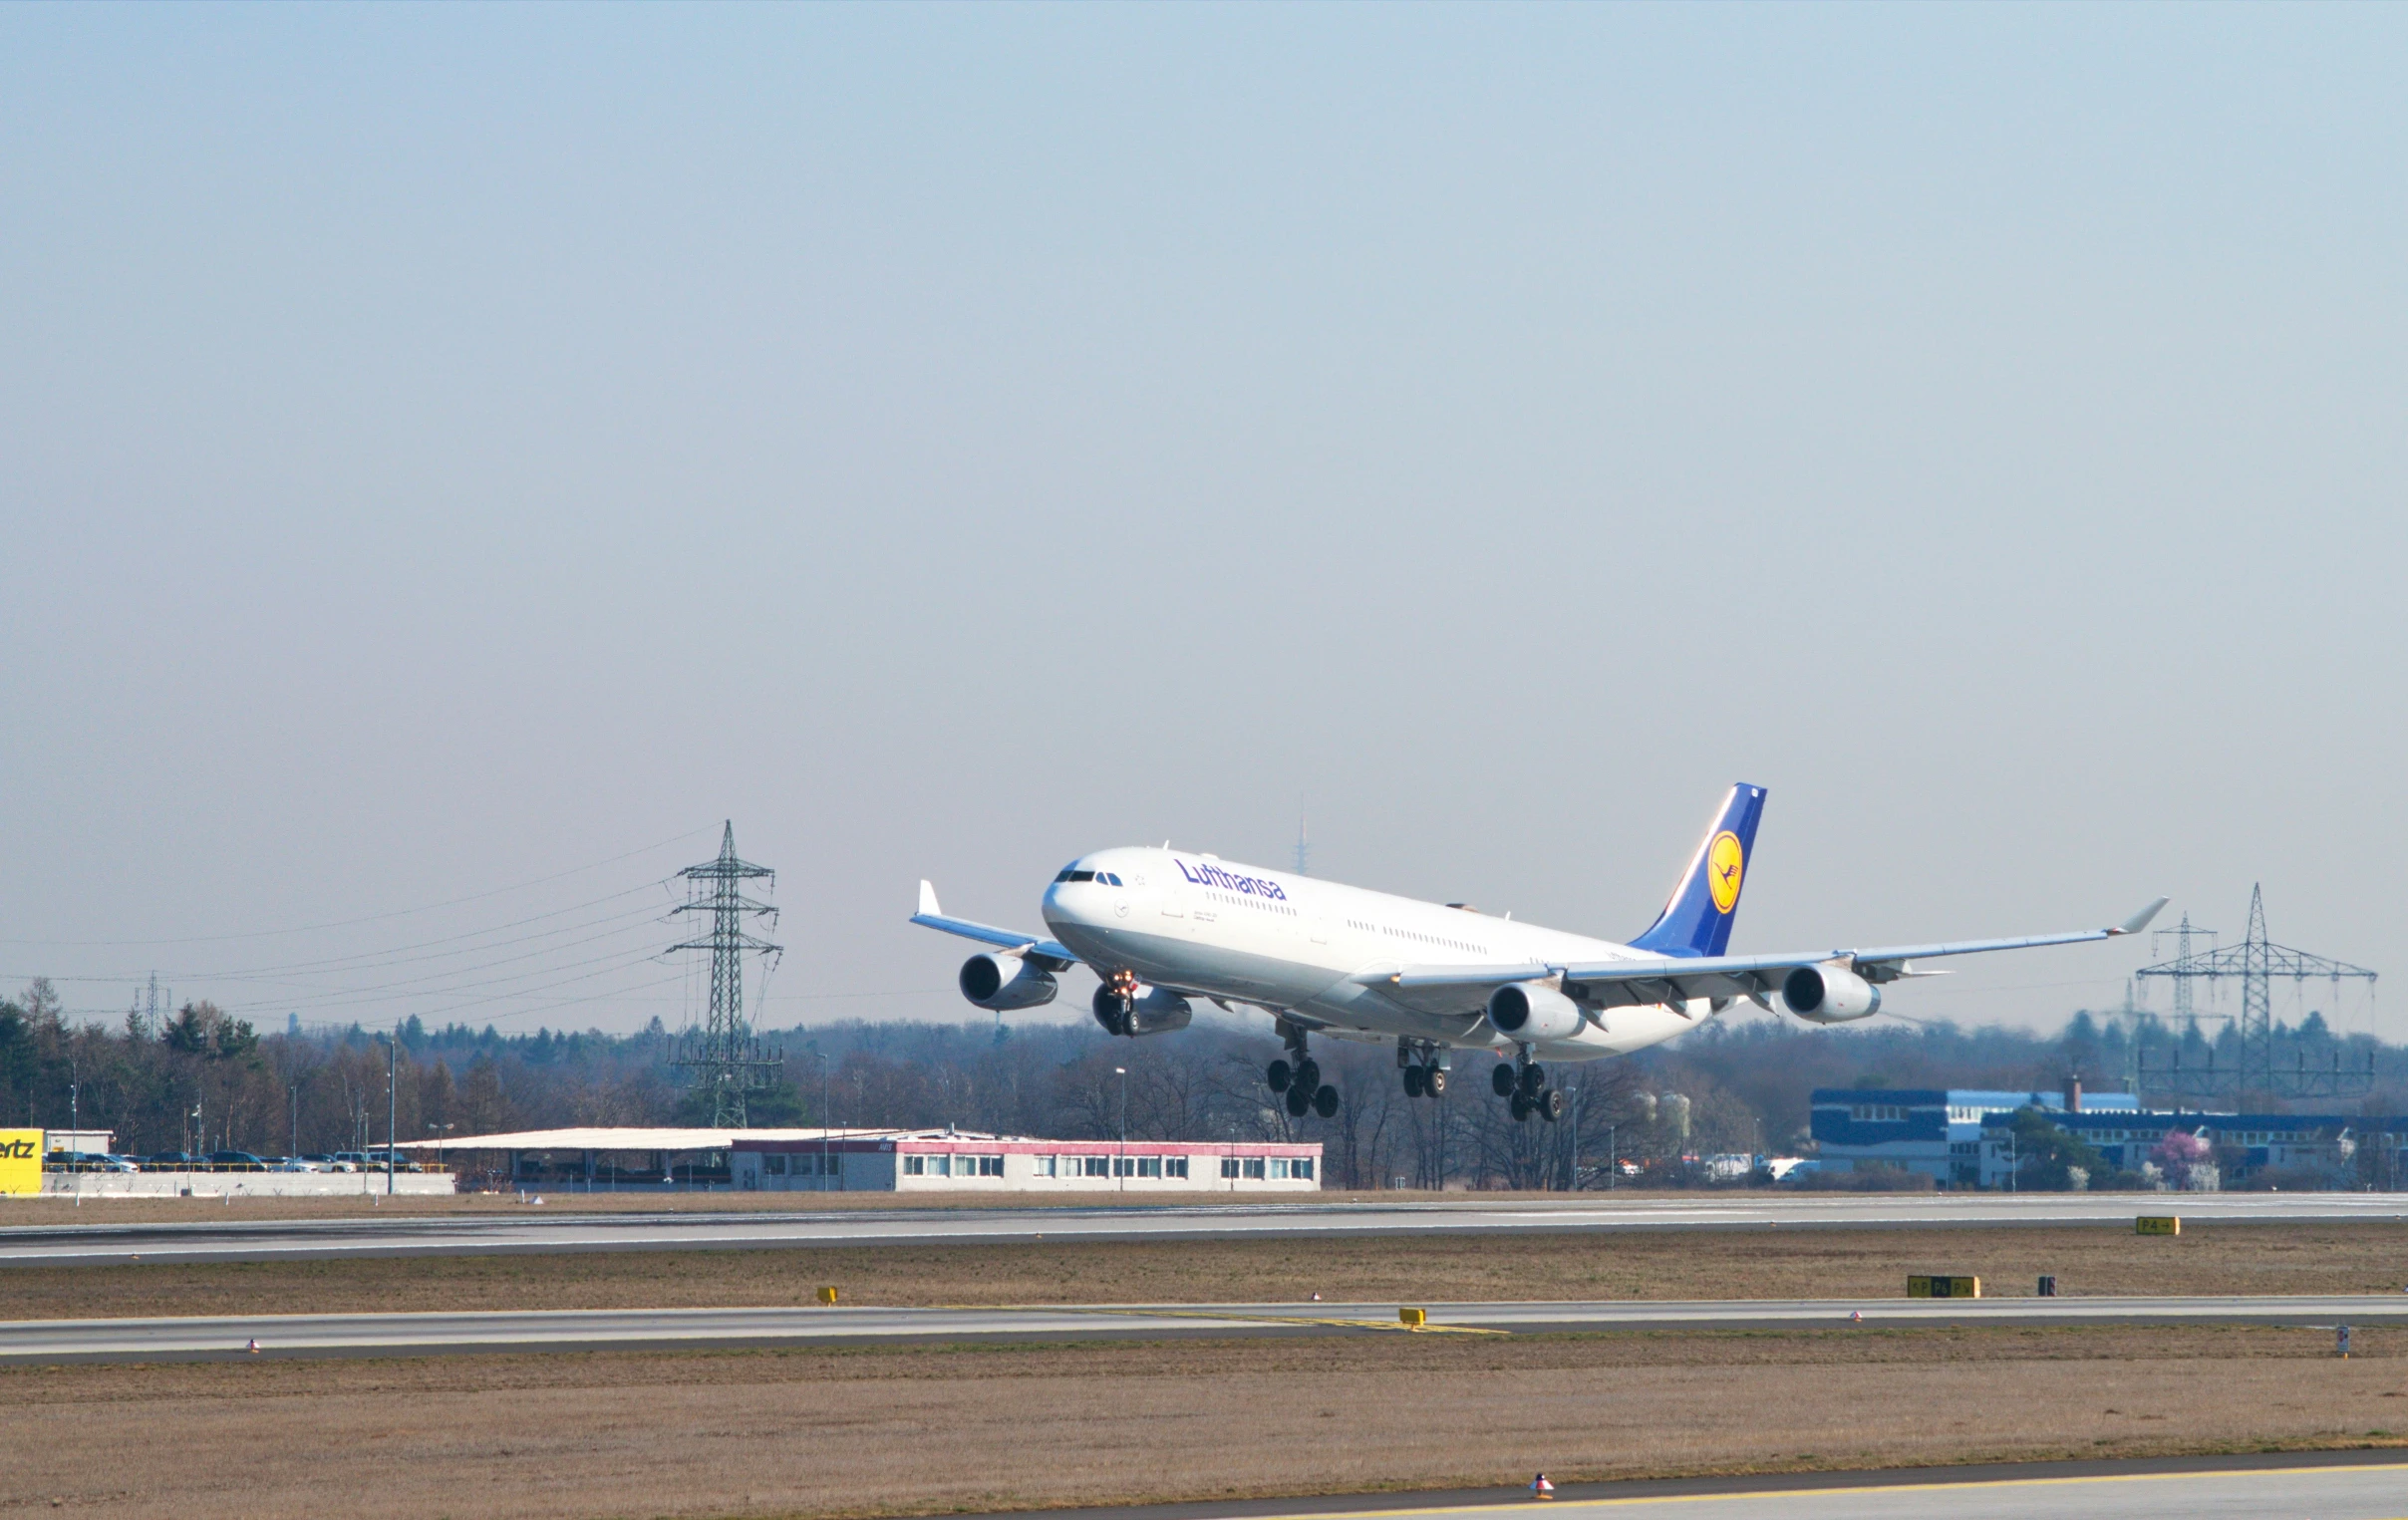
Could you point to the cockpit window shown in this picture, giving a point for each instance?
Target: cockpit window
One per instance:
(1069, 875)
(1108, 878)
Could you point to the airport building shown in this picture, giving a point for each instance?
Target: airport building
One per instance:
(870, 1160)
(2334, 1148)
(1965, 1137)
(1934, 1132)
(928, 1160)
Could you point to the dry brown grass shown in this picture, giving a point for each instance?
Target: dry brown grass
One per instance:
(829, 1433)
(1783, 1263)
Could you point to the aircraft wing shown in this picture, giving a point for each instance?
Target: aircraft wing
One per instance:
(1051, 955)
(1672, 979)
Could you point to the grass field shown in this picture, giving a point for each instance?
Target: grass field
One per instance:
(1872, 1264)
(928, 1431)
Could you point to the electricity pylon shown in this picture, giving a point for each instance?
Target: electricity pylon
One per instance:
(2255, 962)
(725, 1058)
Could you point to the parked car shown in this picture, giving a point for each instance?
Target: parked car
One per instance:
(295, 1164)
(235, 1161)
(110, 1165)
(350, 1160)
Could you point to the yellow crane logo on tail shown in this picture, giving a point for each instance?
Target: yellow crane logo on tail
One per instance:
(1725, 862)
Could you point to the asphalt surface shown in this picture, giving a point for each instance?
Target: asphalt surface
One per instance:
(540, 1230)
(386, 1335)
(2305, 1485)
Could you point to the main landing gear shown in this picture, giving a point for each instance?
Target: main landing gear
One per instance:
(1524, 1086)
(1424, 1063)
(1300, 1079)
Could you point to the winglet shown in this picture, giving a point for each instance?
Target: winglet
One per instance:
(2138, 921)
(929, 908)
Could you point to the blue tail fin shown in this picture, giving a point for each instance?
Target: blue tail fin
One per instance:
(1697, 921)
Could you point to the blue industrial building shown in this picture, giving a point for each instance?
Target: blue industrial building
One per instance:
(1961, 1137)
(2337, 1147)
(1932, 1130)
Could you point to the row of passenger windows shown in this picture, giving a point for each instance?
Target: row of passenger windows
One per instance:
(1100, 878)
(1241, 900)
(1416, 937)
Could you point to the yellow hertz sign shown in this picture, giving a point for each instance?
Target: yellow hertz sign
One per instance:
(20, 1160)
(1725, 862)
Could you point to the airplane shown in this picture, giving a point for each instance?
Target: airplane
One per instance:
(1160, 927)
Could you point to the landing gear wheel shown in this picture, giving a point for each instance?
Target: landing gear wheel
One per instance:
(1503, 1080)
(1534, 1078)
(1415, 1079)
(1279, 1076)
(1433, 1083)
(1324, 1103)
(1521, 1109)
(1551, 1104)
(1308, 1075)
(1300, 1100)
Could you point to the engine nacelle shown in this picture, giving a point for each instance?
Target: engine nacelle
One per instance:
(1828, 994)
(1006, 982)
(1534, 1011)
(1146, 1011)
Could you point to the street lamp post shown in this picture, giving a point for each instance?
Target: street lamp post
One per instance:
(393, 1059)
(75, 1125)
(438, 1132)
(1121, 1166)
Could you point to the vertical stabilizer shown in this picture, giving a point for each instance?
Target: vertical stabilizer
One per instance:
(1698, 920)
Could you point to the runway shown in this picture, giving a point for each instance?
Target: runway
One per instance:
(384, 1334)
(2293, 1487)
(532, 1229)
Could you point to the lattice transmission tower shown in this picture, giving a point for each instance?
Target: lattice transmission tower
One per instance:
(724, 1057)
(2255, 962)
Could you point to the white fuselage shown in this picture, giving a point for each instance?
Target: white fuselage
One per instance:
(1284, 942)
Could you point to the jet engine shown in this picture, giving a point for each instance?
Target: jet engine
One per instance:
(1140, 1011)
(1005, 982)
(1829, 994)
(1534, 1011)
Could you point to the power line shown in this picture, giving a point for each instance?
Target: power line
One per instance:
(372, 918)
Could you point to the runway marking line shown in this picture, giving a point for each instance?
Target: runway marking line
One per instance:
(1866, 1488)
(1234, 1319)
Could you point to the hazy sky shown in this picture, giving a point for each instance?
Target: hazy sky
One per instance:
(442, 448)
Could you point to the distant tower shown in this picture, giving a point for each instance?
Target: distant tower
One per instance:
(2181, 932)
(724, 1057)
(2255, 963)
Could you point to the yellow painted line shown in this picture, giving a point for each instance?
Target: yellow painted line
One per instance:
(1867, 1488)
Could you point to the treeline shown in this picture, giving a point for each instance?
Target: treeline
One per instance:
(204, 1080)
